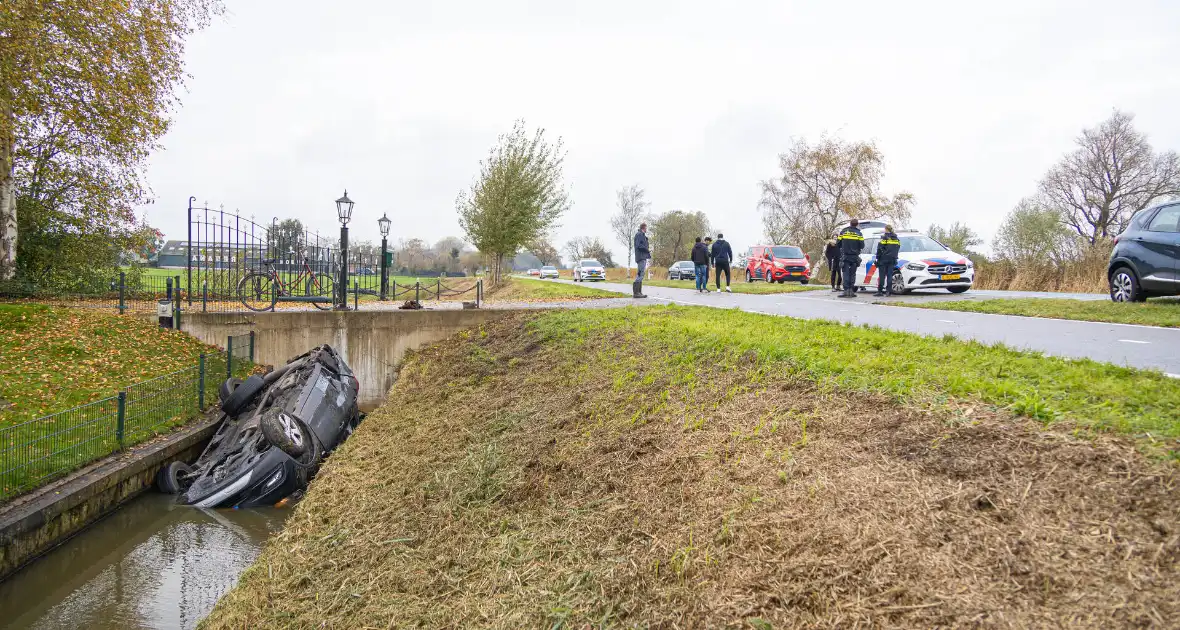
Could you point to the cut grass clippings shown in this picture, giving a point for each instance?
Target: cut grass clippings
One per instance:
(1164, 313)
(661, 468)
(515, 289)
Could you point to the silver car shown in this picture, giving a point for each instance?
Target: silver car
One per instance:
(589, 270)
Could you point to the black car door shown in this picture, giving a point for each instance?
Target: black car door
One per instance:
(1159, 243)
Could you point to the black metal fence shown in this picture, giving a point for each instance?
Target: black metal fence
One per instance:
(125, 292)
(34, 452)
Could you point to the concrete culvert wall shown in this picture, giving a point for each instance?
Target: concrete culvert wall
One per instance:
(372, 343)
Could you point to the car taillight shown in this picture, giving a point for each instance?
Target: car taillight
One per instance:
(1116, 240)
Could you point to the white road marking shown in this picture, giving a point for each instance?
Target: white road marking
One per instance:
(1133, 341)
(947, 321)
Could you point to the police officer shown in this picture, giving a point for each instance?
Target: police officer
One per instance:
(887, 250)
(850, 242)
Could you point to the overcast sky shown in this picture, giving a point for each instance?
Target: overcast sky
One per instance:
(290, 102)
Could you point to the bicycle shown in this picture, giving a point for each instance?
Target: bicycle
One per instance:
(261, 290)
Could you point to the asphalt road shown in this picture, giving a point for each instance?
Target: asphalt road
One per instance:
(1145, 347)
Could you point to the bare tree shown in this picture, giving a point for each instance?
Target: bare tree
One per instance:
(581, 247)
(1033, 233)
(544, 251)
(624, 225)
(1113, 174)
(823, 185)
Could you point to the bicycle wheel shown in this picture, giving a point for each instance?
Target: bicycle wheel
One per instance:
(321, 285)
(258, 292)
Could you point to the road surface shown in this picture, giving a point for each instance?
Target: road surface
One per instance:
(1146, 347)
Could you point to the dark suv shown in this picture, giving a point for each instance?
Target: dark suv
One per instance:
(1145, 261)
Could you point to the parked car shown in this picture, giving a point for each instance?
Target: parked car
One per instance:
(683, 270)
(534, 272)
(922, 263)
(548, 271)
(275, 430)
(365, 271)
(778, 263)
(588, 270)
(1145, 261)
(743, 258)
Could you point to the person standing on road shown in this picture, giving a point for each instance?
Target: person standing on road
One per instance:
(851, 243)
(700, 258)
(642, 257)
(709, 262)
(721, 254)
(832, 253)
(887, 251)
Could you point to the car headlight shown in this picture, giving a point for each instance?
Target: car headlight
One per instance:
(779, 264)
(915, 266)
(970, 264)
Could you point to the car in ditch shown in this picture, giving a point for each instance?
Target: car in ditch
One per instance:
(589, 270)
(275, 431)
(922, 263)
(778, 263)
(682, 270)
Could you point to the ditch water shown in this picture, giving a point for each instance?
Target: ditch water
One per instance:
(151, 564)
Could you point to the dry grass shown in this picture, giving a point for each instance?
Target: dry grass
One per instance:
(531, 290)
(597, 481)
(1087, 274)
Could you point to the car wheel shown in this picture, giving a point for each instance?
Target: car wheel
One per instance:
(749, 278)
(898, 283)
(286, 432)
(1124, 286)
(804, 281)
(242, 394)
(957, 289)
(227, 388)
(168, 478)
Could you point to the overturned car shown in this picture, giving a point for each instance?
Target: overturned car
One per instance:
(275, 431)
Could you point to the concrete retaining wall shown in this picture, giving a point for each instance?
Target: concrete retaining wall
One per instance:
(36, 522)
(372, 342)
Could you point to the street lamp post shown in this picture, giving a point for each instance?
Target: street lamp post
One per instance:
(344, 212)
(383, 223)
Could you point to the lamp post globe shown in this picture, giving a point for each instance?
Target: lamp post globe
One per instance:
(383, 223)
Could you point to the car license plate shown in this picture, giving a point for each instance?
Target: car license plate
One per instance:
(792, 273)
(954, 276)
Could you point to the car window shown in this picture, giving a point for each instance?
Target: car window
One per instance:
(870, 246)
(786, 251)
(920, 244)
(1166, 220)
(591, 263)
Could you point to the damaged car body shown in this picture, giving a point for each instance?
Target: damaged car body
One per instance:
(275, 431)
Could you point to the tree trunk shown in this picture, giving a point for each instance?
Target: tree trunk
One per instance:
(8, 225)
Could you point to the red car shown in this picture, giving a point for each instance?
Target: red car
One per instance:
(778, 263)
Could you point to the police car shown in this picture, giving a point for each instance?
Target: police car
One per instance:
(922, 263)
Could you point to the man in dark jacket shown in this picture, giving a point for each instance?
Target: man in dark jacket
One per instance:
(887, 250)
(851, 242)
(721, 254)
(832, 253)
(700, 258)
(642, 257)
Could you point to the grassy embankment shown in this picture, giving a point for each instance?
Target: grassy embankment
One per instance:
(1154, 313)
(680, 467)
(515, 289)
(55, 359)
(757, 288)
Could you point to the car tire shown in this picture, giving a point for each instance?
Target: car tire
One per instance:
(168, 477)
(898, 283)
(227, 388)
(957, 289)
(242, 395)
(287, 433)
(1124, 286)
(804, 281)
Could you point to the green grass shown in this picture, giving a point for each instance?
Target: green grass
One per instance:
(528, 289)
(909, 367)
(756, 288)
(72, 362)
(1155, 313)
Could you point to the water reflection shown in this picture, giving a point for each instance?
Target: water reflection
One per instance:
(152, 564)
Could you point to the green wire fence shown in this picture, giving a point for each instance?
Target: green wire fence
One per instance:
(35, 452)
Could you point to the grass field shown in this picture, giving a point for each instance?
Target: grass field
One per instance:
(530, 290)
(723, 469)
(1153, 313)
(59, 371)
(757, 288)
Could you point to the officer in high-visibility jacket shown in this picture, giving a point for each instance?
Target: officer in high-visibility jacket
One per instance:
(851, 242)
(887, 250)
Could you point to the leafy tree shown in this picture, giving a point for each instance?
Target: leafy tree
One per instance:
(545, 252)
(958, 237)
(287, 236)
(1034, 233)
(673, 233)
(518, 196)
(86, 88)
(1113, 174)
(632, 210)
(823, 185)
